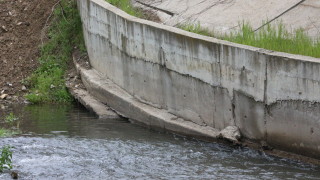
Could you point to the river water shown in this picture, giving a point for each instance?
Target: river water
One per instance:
(67, 142)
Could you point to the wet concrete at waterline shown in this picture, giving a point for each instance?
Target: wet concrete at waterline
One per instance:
(63, 142)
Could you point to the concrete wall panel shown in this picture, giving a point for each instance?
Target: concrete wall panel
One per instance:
(293, 79)
(250, 116)
(269, 95)
(243, 70)
(295, 125)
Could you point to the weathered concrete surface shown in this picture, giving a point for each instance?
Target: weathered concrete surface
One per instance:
(128, 106)
(224, 15)
(296, 123)
(92, 104)
(138, 112)
(208, 82)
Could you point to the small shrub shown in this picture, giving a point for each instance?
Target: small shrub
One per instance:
(6, 158)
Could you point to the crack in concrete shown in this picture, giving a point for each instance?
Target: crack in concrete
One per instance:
(314, 25)
(156, 8)
(215, 4)
(196, 15)
(292, 7)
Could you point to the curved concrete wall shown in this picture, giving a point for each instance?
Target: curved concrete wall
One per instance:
(270, 96)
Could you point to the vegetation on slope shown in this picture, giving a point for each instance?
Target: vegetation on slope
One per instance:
(65, 31)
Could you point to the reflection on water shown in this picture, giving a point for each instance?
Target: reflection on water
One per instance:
(66, 142)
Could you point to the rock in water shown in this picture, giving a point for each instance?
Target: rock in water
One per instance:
(231, 133)
(14, 175)
(265, 146)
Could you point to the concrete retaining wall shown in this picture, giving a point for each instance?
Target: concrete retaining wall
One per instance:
(270, 96)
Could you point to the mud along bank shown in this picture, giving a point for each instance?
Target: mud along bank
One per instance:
(210, 83)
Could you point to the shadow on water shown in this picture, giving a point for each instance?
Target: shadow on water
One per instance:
(67, 142)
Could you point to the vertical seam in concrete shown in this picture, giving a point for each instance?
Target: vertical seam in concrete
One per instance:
(265, 82)
(233, 107)
(265, 98)
(219, 62)
(89, 7)
(292, 7)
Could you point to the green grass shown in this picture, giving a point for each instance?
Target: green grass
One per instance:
(275, 38)
(47, 82)
(196, 28)
(5, 158)
(11, 118)
(10, 125)
(127, 7)
(7, 132)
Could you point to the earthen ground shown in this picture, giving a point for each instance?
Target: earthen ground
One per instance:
(23, 25)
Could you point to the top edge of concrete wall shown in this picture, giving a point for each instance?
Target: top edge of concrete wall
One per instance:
(123, 14)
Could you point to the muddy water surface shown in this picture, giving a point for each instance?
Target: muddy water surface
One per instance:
(63, 142)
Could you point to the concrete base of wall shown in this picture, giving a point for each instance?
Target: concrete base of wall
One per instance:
(126, 105)
(110, 94)
(159, 119)
(92, 104)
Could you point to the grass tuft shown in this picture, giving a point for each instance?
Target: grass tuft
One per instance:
(127, 7)
(11, 118)
(272, 37)
(7, 132)
(5, 158)
(196, 28)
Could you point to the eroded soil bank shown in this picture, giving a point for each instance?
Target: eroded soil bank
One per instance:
(23, 25)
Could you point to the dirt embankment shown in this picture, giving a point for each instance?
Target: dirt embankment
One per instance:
(22, 24)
